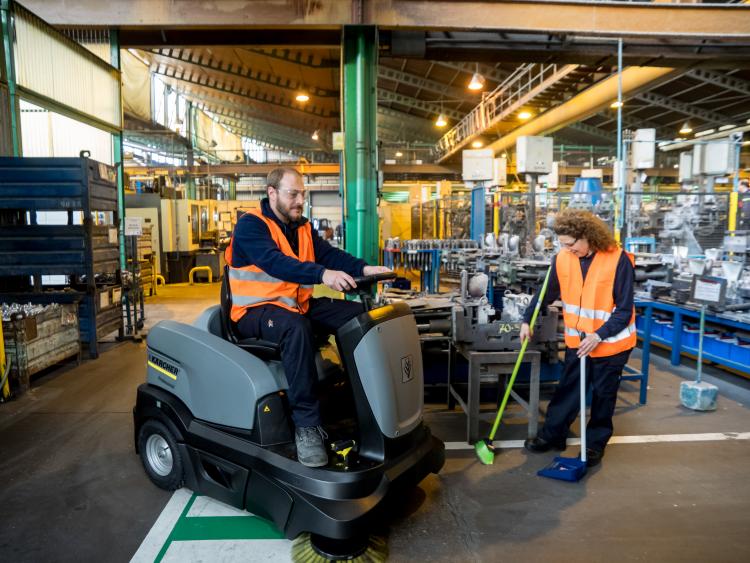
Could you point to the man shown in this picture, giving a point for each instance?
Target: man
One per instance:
(274, 259)
(594, 278)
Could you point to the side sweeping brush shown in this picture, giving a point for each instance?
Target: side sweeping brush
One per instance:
(308, 548)
(484, 448)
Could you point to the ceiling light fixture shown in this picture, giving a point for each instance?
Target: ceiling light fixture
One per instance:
(616, 104)
(477, 144)
(302, 97)
(315, 136)
(685, 129)
(524, 115)
(440, 121)
(399, 154)
(477, 80)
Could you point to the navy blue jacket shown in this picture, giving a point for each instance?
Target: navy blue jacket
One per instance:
(252, 244)
(622, 293)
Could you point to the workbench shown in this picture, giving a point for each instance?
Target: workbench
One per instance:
(488, 367)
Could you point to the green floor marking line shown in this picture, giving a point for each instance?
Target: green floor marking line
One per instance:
(197, 528)
(225, 528)
(169, 538)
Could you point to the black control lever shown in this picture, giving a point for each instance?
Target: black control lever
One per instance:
(364, 287)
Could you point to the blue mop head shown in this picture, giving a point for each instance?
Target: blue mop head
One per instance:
(564, 469)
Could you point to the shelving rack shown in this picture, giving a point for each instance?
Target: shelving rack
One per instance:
(84, 251)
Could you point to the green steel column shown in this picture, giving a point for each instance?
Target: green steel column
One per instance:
(117, 158)
(360, 50)
(192, 139)
(9, 72)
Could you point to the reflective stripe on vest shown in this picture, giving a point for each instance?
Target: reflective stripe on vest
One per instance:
(586, 313)
(589, 303)
(622, 335)
(260, 276)
(252, 287)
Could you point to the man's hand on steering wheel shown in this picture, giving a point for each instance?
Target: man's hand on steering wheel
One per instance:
(373, 270)
(338, 280)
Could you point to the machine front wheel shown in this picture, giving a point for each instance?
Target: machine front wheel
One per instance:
(160, 456)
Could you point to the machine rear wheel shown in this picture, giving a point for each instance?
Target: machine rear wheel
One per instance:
(160, 456)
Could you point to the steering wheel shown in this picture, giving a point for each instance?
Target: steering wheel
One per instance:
(364, 286)
(366, 281)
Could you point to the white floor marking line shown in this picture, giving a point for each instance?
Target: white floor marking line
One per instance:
(154, 540)
(707, 437)
(505, 444)
(228, 551)
(206, 506)
(647, 439)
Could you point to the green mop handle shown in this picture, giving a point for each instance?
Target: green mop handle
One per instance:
(519, 360)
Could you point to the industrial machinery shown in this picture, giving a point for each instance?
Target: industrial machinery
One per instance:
(478, 326)
(213, 415)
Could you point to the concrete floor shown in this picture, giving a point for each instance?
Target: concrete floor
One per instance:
(73, 489)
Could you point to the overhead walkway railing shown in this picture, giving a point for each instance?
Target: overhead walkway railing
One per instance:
(526, 82)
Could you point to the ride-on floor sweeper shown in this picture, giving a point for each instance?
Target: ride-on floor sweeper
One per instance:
(213, 416)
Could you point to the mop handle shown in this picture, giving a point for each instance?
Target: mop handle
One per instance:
(519, 360)
(583, 409)
(700, 342)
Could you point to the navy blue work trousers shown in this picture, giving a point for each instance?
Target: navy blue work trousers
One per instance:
(603, 380)
(294, 334)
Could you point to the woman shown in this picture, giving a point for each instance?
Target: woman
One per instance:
(594, 279)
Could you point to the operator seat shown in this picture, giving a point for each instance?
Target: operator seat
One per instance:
(264, 349)
(327, 361)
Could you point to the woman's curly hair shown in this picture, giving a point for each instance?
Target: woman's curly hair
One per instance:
(581, 224)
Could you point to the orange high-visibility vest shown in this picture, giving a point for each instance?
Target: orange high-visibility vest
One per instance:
(252, 287)
(588, 304)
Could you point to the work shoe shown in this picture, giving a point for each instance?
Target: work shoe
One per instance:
(540, 445)
(593, 457)
(310, 448)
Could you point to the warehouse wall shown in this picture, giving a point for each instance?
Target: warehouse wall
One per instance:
(46, 133)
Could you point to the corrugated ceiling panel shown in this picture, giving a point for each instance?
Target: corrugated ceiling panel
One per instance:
(48, 64)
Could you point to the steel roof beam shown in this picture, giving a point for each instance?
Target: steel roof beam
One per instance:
(240, 71)
(422, 105)
(248, 112)
(213, 84)
(421, 83)
(718, 79)
(613, 19)
(684, 108)
(297, 57)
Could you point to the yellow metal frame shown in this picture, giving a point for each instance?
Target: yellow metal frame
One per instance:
(200, 269)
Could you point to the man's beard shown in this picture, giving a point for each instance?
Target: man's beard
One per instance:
(285, 211)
